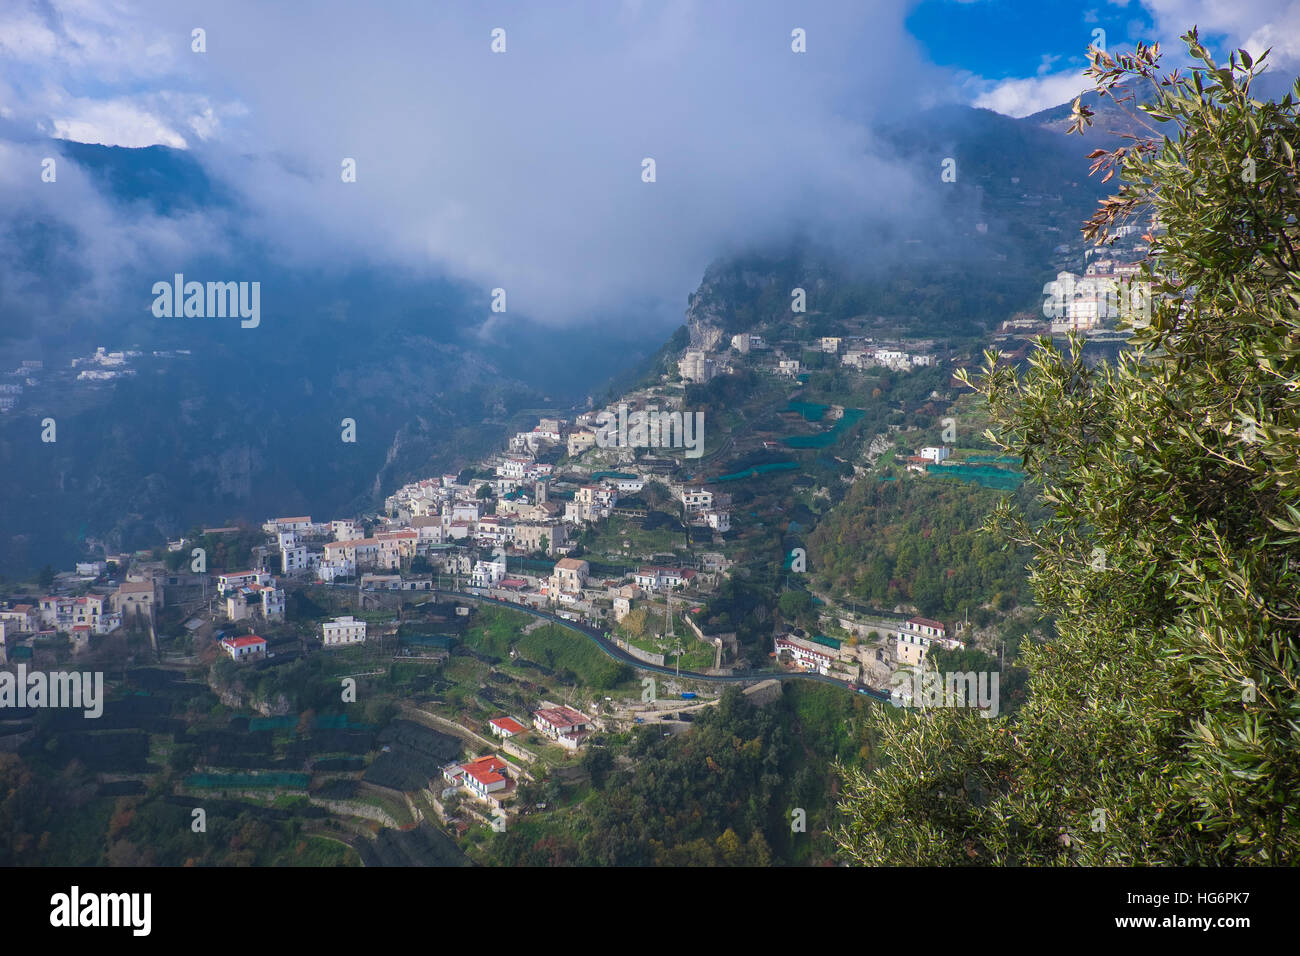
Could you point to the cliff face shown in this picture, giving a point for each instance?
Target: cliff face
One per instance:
(712, 315)
(705, 318)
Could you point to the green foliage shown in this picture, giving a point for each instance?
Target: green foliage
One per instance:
(919, 542)
(719, 795)
(561, 649)
(1161, 725)
(795, 605)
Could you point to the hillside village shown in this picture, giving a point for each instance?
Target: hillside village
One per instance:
(626, 539)
(508, 528)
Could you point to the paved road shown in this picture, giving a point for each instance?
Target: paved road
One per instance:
(617, 653)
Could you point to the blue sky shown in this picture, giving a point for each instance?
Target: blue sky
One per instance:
(1001, 39)
(1020, 56)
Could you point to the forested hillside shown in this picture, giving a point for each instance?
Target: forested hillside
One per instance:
(918, 541)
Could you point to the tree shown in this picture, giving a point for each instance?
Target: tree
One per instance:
(1159, 726)
(598, 762)
(484, 491)
(795, 604)
(46, 578)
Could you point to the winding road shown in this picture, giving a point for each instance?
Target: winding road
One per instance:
(617, 653)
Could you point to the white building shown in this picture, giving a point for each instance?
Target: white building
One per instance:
(696, 499)
(805, 654)
(564, 725)
(343, 631)
(295, 560)
(1081, 303)
(719, 521)
(488, 574)
(330, 569)
(236, 579)
(242, 648)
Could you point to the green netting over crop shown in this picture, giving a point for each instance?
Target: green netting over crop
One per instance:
(829, 437)
(340, 722)
(811, 411)
(248, 781)
(1003, 479)
(997, 459)
(759, 470)
(272, 723)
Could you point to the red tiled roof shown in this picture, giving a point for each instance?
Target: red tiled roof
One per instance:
(926, 622)
(561, 717)
(485, 769)
(508, 724)
(246, 641)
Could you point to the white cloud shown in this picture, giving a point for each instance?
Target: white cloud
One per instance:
(1253, 24)
(114, 123)
(1026, 95)
(519, 170)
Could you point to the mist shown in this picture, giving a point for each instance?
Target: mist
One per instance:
(519, 170)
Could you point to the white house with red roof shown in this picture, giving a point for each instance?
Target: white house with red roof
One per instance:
(504, 727)
(807, 655)
(295, 523)
(244, 647)
(564, 725)
(486, 779)
(935, 630)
